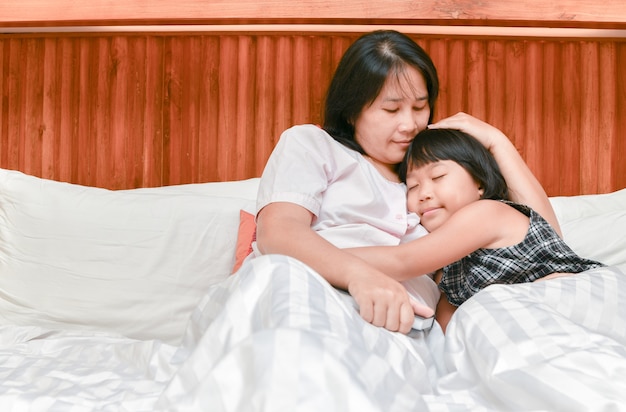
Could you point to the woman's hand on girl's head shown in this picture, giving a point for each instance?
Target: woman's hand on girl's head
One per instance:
(485, 133)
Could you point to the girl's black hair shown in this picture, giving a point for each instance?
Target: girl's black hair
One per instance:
(361, 74)
(432, 145)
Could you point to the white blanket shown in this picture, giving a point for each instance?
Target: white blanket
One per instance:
(277, 337)
(552, 345)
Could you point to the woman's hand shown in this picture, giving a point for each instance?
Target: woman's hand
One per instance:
(384, 302)
(485, 133)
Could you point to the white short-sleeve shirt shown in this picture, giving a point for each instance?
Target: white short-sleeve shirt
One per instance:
(353, 204)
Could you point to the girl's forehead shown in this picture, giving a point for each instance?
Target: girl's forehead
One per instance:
(436, 164)
(418, 170)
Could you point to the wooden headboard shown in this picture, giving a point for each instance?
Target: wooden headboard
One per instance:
(124, 94)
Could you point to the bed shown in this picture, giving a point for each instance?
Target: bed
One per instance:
(127, 176)
(125, 301)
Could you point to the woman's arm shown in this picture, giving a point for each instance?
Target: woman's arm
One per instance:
(523, 185)
(285, 228)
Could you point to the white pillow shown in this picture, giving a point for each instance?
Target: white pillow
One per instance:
(133, 262)
(594, 226)
(569, 208)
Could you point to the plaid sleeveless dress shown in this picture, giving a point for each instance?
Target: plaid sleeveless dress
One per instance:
(541, 253)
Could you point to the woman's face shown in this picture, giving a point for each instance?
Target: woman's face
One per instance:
(385, 128)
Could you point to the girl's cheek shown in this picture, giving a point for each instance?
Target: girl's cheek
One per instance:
(411, 203)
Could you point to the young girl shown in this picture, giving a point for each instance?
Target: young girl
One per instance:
(477, 236)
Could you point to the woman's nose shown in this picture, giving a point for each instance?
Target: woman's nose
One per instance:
(409, 123)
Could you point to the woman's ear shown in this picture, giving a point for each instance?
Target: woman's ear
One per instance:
(481, 191)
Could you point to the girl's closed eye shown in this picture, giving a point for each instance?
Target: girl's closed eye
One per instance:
(413, 187)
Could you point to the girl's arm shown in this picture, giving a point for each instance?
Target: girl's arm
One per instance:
(285, 228)
(523, 185)
(481, 224)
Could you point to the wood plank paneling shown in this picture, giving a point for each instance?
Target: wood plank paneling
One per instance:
(134, 110)
(617, 163)
(109, 12)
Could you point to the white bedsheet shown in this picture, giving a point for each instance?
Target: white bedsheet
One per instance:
(276, 337)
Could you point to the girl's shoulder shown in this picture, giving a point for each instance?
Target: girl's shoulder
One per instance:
(522, 208)
(493, 215)
(488, 208)
(509, 220)
(498, 207)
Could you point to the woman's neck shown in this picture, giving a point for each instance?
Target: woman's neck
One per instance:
(388, 171)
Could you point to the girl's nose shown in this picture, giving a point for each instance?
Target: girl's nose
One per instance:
(424, 192)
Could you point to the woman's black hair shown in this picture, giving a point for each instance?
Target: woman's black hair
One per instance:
(432, 145)
(361, 74)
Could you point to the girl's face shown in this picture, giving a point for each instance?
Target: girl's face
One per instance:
(437, 190)
(385, 128)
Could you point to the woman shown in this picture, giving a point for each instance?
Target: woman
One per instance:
(326, 189)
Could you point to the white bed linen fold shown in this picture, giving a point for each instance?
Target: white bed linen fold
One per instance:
(277, 337)
(556, 345)
(44, 370)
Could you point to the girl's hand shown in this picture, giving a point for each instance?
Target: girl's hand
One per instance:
(384, 302)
